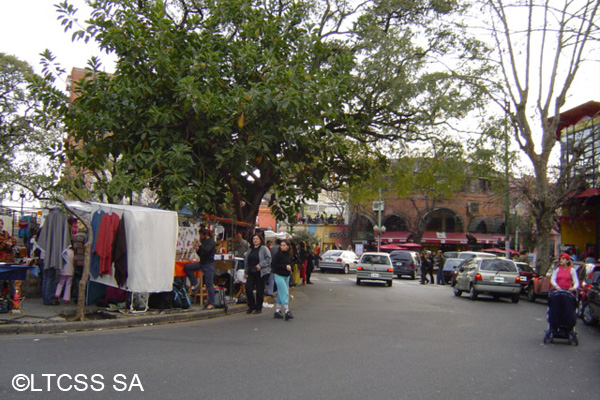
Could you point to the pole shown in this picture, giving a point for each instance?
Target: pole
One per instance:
(506, 205)
(379, 223)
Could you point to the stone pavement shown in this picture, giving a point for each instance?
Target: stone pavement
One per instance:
(35, 317)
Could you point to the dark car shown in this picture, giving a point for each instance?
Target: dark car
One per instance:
(406, 262)
(591, 307)
(592, 274)
(451, 265)
(527, 275)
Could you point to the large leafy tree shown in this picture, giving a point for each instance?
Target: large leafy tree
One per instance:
(216, 103)
(27, 141)
(540, 47)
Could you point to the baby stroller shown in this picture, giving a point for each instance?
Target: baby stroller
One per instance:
(562, 317)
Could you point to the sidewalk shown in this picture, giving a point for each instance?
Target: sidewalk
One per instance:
(39, 318)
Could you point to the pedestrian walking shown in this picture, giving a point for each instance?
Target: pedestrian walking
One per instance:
(425, 265)
(281, 270)
(439, 264)
(257, 265)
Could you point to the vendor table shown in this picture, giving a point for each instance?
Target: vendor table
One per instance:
(15, 273)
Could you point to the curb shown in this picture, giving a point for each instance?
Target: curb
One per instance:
(116, 323)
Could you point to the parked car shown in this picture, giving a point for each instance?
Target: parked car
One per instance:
(527, 274)
(467, 255)
(340, 260)
(496, 277)
(591, 307)
(540, 285)
(375, 267)
(592, 273)
(406, 262)
(450, 269)
(451, 254)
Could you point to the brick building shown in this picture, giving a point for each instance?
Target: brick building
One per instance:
(473, 219)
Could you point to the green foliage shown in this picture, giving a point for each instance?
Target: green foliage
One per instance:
(30, 140)
(213, 104)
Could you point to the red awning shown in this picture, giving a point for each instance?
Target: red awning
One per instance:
(589, 193)
(444, 238)
(395, 237)
(501, 251)
(486, 238)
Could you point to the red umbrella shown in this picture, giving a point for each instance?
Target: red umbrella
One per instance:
(408, 246)
(391, 247)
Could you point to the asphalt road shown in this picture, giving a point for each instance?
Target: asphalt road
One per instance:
(346, 342)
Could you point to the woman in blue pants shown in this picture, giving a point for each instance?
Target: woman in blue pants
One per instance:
(281, 267)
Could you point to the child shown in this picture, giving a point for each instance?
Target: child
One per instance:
(66, 276)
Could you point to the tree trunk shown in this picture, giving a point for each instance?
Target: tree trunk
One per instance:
(80, 313)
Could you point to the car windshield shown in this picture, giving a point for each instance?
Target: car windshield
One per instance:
(374, 259)
(451, 264)
(524, 267)
(334, 253)
(497, 265)
(401, 256)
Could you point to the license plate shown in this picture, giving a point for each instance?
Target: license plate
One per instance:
(523, 279)
(498, 279)
(374, 275)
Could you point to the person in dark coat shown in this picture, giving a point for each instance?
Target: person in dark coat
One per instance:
(206, 252)
(425, 267)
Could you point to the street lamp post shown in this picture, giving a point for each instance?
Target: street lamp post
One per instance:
(379, 229)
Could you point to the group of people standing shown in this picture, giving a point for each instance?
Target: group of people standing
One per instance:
(428, 263)
(268, 269)
(271, 266)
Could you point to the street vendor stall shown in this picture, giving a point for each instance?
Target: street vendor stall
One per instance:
(148, 246)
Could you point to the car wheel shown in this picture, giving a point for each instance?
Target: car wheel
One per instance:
(457, 292)
(358, 281)
(473, 294)
(346, 269)
(531, 294)
(515, 298)
(588, 318)
(322, 270)
(389, 283)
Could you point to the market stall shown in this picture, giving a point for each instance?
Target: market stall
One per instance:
(149, 245)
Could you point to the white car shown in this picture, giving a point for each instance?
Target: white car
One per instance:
(340, 260)
(375, 267)
(467, 255)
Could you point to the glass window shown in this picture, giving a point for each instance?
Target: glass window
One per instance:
(497, 265)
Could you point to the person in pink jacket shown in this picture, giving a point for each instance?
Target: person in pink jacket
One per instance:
(564, 276)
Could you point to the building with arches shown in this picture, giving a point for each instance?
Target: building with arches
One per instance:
(473, 219)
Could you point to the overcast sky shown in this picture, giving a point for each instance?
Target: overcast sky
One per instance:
(27, 27)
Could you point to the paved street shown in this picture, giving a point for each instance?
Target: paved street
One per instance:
(347, 342)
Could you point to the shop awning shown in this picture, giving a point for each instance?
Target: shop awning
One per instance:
(486, 238)
(589, 193)
(395, 237)
(444, 238)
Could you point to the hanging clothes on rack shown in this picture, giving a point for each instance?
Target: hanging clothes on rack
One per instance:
(106, 237)
(25, 226)
(120, 254)
(95, 257)
(55, 237)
